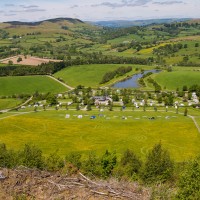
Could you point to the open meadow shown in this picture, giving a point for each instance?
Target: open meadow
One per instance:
(51, 131)
(91, 75)
(177, 79)
(9, 103)
(29, 85)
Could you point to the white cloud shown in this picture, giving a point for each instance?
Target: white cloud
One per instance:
(98, 9)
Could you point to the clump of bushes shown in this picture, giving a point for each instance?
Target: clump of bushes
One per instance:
(116, 73)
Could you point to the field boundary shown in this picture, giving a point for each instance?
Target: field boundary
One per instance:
(9, 109)
(195, 122)
(64, 84)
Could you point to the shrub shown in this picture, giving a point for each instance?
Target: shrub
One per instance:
(54, 162)
(189, 183)
(31, 156)
(158, 166)
(74, 158)
(91, 165)
(129, 165)
(108, 162)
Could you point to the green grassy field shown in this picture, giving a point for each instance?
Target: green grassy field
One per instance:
(177, 79)
(51, 131)
(28, 85)
(91, 75)
(9, 103)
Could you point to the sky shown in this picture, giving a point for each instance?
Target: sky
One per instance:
(97, 10)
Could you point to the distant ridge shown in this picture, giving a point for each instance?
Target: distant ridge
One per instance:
(129, 23)
(72, 20)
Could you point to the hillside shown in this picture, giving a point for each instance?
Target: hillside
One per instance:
(55, 20)
(68, 39)
(129, 23)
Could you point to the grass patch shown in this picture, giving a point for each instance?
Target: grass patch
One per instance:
(9, 103)
(177, 79)
(91, 75)
(28, 85)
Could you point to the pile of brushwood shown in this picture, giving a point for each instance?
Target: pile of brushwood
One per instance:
(24, 183)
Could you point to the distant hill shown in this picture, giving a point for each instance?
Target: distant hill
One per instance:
(71, 20)
(128, 23)
(53, 26)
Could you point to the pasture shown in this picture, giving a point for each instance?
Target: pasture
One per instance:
(177, 79)
(9, 103)
(51, 131)
(91, 75)
(29, 85)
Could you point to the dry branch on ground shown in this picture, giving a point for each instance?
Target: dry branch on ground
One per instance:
(46, 185)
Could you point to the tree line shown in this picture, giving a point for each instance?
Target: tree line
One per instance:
(116, 73)
(51, 68)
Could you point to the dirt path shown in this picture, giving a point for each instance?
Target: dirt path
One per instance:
(67, 86)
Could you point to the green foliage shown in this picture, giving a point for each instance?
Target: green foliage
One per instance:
(129, 165)
(8, 158)
(108, 162)
(77, 107)
(158, 166)
(186, 112)
(74, 158)
(118, 72)
(51, 99)
(189, 183)
(54, 162)
(89, 107)
(19, 59)
(168, 49)
(31, 156)
(92, 165)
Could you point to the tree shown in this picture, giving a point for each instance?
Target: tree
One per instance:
(19, 59)
(10, 62)
(52, 100)
(77, 107)
(31, 156)
(185, 88)
(158, 165)
(108, 162)
(74, 158)
(111, 107)
(35, 108)
(54, 162)
(89, 107)
(186, 112)
(7, 158)
(44, 107)
(189, 183)
(91, 165)
(130, 164)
